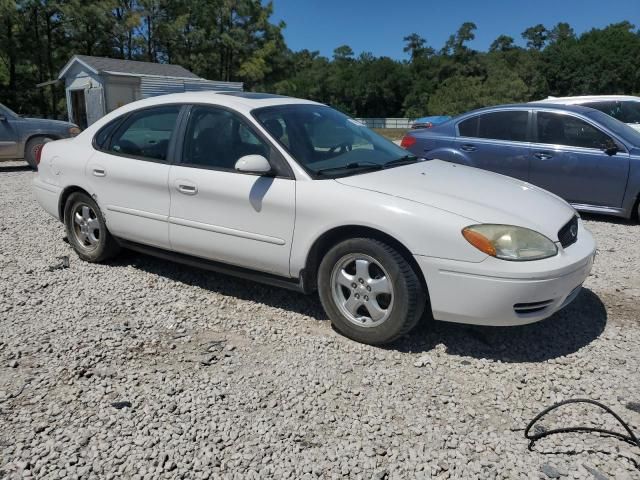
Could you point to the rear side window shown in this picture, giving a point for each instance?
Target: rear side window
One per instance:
(559, 129)
(104, 134)
(146, 133)
(508, 125)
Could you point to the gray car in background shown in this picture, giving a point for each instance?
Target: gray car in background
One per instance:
(20, 137)
(586, 157)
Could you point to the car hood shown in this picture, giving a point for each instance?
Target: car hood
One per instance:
(45, 122)
(481, 196)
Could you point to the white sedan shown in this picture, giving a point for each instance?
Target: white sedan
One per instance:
(293, 193)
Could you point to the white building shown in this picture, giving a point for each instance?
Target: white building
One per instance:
(97, 85)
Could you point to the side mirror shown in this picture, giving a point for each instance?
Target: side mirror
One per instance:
(610, 147)
(253, 164)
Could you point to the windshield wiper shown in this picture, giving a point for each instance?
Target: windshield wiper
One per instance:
(351, 166)
(404, 160)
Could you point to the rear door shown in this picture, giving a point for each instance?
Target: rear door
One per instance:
(129, 174)
(568, 158)
(496, 141)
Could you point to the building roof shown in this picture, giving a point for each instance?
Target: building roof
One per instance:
(128, 67)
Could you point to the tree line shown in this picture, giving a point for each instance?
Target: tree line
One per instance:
(236, 40)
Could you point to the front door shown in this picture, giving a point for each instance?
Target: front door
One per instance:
(8, 135)
(129, 175)
(496, 141)
(568, 159)
(221, 214)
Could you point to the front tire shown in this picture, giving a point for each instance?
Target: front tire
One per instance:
(30, 150)
(369, 291)
(86, 229)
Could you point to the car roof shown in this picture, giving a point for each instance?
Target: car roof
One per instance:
(589, 98)
(528, 106)
(244, 101)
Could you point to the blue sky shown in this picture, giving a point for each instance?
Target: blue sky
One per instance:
(379, 26)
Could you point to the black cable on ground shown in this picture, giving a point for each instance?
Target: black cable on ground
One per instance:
(630, 438)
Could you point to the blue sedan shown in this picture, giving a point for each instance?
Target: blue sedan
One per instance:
(581, 154)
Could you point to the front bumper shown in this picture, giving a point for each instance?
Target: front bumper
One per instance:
(501, 293)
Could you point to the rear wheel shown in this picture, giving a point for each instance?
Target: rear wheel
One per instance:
(369, 291)
(86, 229)
(32, 147)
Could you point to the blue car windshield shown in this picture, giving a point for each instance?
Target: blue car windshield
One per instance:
(624, 131)
(326, 142)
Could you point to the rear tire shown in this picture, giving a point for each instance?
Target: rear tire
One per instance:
(369, 291)
(30, 150)
(86, 229)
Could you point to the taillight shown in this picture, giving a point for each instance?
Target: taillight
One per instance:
(38, 153)
(407, 141)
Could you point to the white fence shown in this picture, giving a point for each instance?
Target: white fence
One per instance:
(387, 122)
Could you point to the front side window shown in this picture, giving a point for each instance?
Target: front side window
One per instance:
(625, 111)
(559, 129)
(146, 133)
(508, 125)
(216, 138)
(326, 142)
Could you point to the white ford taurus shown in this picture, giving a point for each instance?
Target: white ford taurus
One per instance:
(295, 194)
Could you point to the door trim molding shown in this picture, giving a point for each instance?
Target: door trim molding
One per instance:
(226, 231)
(137, 213)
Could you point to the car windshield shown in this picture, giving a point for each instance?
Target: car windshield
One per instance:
(7, 112)
(327, 143)
(623, 130)
(625, 111)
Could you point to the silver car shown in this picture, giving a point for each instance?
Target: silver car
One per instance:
(21, 138)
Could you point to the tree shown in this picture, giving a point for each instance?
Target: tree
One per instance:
(560, 33)
(502, 44)
(416, 47)
(343, 52)
(535, 36)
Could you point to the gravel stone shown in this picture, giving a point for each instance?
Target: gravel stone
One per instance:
(232, 379)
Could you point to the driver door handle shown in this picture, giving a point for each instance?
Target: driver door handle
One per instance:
(467, 147)
(543, 155)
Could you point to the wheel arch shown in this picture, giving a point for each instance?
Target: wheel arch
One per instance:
(336, 235)
(66, 193)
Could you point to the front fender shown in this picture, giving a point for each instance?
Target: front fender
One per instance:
(322, 206)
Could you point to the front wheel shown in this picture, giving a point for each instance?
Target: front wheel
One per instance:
(86, 229)
(370, 291)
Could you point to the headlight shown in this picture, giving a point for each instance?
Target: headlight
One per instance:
(509, 242)
(73, 131)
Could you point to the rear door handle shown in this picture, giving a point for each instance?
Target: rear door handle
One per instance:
(467, 147)
(99, 172)
(543, 155)
(187, 189)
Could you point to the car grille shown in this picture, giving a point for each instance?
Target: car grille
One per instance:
(568, 235)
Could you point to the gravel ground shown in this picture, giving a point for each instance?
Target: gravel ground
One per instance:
(145, 369)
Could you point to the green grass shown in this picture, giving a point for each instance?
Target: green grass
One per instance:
(391, 133)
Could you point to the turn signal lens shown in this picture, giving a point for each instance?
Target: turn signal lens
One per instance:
(479, 241)
(408, 141)
(73, 131)
(509, 242)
